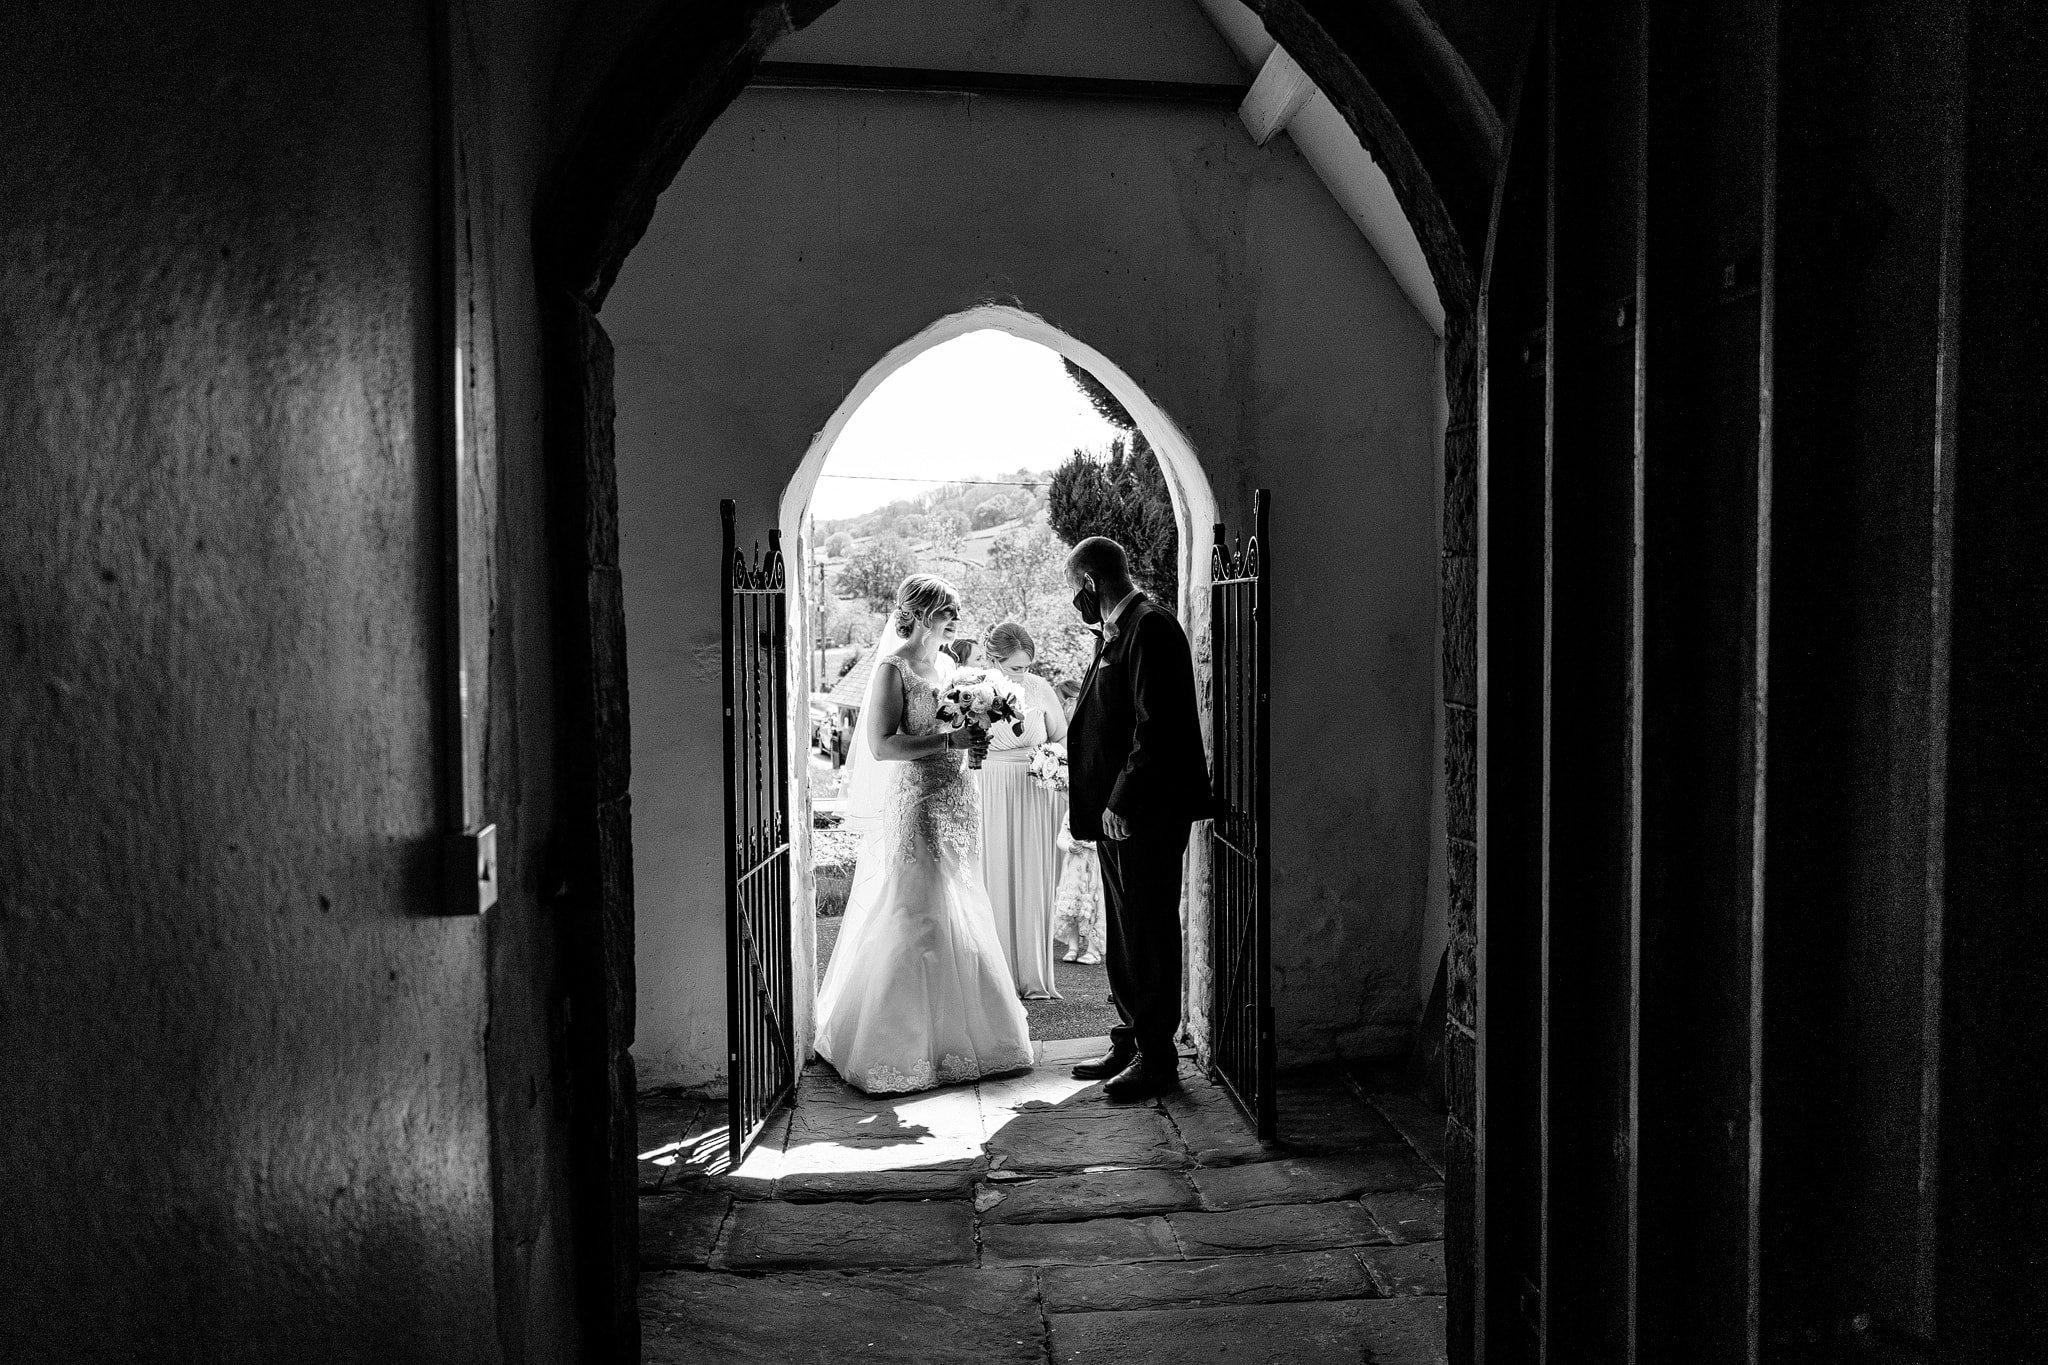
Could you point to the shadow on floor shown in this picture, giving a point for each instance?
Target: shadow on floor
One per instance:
(1025, 1218)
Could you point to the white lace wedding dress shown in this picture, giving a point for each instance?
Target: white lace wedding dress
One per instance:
(918, 992)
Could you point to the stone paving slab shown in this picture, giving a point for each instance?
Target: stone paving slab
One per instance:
(773, 1235)
(1382, 1331)
(1417, 1269)
(822, 1159)
(1074, 1198)
(820, 1083)
(681, 1229)
(1286, 1278)
(1305, 1180)
(888, 1123)
(1197, 1087)
(1211, 1126)
(1277, 1227)
(1324, 1114)
(934, 1129)
(941, 1316)
(1098, 1242)
(1066, 1140)
(1410, 1215)
(763, 1162)
(955, 1181)
(665, 1115)
(1421, 1126)
(1035, 1091)
(675, 1137)
(1065, 1052)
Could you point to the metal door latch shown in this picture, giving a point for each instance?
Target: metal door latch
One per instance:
(471, 871)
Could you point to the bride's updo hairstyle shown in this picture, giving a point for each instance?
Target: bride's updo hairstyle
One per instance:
(1007, 638)
(920, 597)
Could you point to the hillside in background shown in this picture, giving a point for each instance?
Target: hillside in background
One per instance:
(979, 504)
(992, 539)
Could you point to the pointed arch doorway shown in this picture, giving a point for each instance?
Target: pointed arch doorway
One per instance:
(1195, 513)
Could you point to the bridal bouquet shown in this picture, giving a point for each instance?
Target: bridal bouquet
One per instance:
(1048, 766)
(983, 699)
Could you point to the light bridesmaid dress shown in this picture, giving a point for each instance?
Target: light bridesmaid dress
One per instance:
(1020, 856)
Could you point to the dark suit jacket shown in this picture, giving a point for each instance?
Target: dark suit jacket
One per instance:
(1134, 745)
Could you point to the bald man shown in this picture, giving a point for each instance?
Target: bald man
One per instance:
(1137, 779)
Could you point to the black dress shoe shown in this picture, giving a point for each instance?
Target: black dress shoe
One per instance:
(1108, 1064)
(1141, 1082)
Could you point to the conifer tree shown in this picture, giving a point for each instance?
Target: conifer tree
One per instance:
(1122, 495)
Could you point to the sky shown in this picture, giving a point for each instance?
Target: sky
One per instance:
(976, 407)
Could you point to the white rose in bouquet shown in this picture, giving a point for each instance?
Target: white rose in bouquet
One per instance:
(1048, 766)
(982, 699)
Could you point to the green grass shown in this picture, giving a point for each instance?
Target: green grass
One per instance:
(834, 881)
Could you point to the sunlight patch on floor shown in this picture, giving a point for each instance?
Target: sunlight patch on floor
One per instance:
(847, 1133)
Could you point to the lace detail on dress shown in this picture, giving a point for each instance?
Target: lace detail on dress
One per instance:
(887, 1080)
(956, 1068)
(951, 1070)
(931, 808)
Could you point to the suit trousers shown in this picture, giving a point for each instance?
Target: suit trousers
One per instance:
(1141, 879)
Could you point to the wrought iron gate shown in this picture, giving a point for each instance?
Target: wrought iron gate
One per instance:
(761, 1064)
(1241, 1045)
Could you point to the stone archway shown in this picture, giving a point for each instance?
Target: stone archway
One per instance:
(1194, 504)
(1195, 511)
(651, 93)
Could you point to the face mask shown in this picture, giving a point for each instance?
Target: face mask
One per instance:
(1089, 606)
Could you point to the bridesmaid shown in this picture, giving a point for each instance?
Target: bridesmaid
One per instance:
(1020, 819)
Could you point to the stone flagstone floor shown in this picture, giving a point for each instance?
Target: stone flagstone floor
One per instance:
(1027, 1219)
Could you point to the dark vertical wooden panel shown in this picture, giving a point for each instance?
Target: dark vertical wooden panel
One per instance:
(1593, 761)
(1796, 651)
(1508, 1287)
(1866, 93)
(1705, 573)
(1994, 1066)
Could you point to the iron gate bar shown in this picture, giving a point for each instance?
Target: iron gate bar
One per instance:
(760, 1049)
(1243, 1052)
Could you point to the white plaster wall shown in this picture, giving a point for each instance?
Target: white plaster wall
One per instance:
(813, 231)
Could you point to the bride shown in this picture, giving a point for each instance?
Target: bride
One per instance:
(918, 992)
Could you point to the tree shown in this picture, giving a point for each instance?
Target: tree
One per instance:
(1025, 580)
(942, 527)
(1023, 566)
(849, 622)
(1122, 495)
(838, 544)
(875, 572)
(1002, 507)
